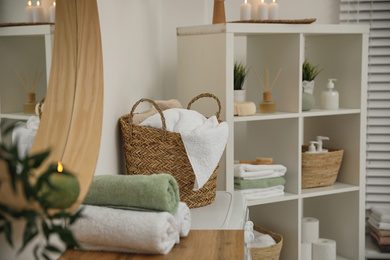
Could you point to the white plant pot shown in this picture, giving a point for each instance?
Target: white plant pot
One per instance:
(239, 95)
(308, 86)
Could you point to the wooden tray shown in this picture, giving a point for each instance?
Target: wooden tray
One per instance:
(299, 21)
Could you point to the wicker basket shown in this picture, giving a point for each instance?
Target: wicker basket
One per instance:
(320, 169)
(269, 252)
(149, 151)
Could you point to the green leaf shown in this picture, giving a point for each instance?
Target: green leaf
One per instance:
(8, 233)
(45, 256)
(76, 216)
(34, 161)
(46, 230)
(30, 231)
(36, 252)
(66, 236)
(53, 249)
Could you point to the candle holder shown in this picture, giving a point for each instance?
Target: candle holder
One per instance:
(219, 12)
(29, 105)
(267, 105)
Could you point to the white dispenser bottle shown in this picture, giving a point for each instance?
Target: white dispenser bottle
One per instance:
(330, 97)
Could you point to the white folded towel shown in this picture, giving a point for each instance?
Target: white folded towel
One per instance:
(23, 135)
(261, 193)
(108, 229)
(377, 224)
(382, 214)
(204, 139)
(261, 240)
(251, 172)
(183, 218)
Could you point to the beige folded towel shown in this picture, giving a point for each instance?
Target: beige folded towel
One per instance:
(162, 104)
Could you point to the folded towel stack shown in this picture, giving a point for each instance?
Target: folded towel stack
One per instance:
(379, 222)
(132, 213)
(259, 181)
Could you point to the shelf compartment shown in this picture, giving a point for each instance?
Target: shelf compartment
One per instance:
(337, 212)
(287, 196)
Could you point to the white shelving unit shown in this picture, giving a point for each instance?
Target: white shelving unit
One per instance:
(23, 48)
(206, 56)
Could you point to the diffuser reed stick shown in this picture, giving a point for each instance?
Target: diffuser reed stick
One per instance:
(26, 84)
(265, 86)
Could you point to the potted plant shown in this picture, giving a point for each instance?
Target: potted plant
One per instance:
(240, 73)
(309, 73)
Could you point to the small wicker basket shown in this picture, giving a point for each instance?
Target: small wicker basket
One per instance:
(320, 169)
(269, 252)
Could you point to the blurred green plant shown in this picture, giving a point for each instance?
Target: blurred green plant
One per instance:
(240, 73)
(309, 72)
(40, 221)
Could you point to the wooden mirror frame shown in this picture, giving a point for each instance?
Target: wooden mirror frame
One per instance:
(71, 123)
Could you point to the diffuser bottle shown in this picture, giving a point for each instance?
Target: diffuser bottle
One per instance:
(267, 105)
(29, 105)
(330, 97)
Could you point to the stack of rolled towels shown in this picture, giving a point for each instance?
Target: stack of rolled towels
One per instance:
(132, 214)
(379, 223)
(257, 181)
(312, 246)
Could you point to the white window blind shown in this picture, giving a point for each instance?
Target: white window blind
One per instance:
(375, 13)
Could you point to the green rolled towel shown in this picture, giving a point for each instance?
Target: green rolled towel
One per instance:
(156, 192)
(242, 184)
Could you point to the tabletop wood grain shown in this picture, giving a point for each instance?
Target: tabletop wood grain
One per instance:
(199, 244)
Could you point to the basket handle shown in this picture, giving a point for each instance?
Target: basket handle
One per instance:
(164, 127)
(207, 95)
(40, 107)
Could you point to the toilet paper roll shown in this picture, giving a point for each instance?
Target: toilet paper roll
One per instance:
(324, 249)
(306, 251)
(310, 230)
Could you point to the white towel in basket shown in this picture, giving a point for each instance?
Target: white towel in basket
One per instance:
(204, 139)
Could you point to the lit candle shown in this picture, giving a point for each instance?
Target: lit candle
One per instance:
(254, 5)
(52, 11)
(273, 11)
(64, 191)
(262, 11)
(245, 9)
(38, 15)
(29, 12)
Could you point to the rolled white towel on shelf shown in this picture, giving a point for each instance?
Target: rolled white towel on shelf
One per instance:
(108, 229)
(250, 171)
(378, 224)
(183, 218)
(23, 135)
(382, 214)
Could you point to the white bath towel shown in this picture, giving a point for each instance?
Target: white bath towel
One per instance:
(251, 172)
(262, 193)
(183, 218)
(108, 229)
(382, 214)
(377, 224)
(23, 135)
(204, 139)
(261, 240)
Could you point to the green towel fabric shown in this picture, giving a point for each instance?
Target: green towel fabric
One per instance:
(156, 192)
(242, 184)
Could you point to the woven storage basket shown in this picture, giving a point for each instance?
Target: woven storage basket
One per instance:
(149, 151)
(269, 252)
(320, 169)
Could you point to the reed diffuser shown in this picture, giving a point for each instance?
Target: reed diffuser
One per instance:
(267, 105)
(29, 105)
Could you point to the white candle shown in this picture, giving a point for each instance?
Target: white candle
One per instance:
(29, 12)
(273, 11)
(262, 11)
(254, 5)
(38, 15)
(245, 9)
(52, 11)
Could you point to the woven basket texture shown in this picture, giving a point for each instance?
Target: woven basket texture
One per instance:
(269, 252)
(151, 151)
(320, 169)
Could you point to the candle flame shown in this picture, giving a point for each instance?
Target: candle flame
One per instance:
(38, 3)
(54, 3)
(246, 1)
(274, 1)
(60, 168)
(262, 1)
(29, 3)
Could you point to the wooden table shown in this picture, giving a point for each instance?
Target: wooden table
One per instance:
(199, 244)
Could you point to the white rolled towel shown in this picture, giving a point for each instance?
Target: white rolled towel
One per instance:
(261, 240)
(250, 171)
(183, 217)
(108, 229)
(23, 135)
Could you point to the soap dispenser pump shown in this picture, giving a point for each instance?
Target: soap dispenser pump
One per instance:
(312, 147)
(319, 144)
(330, 97)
